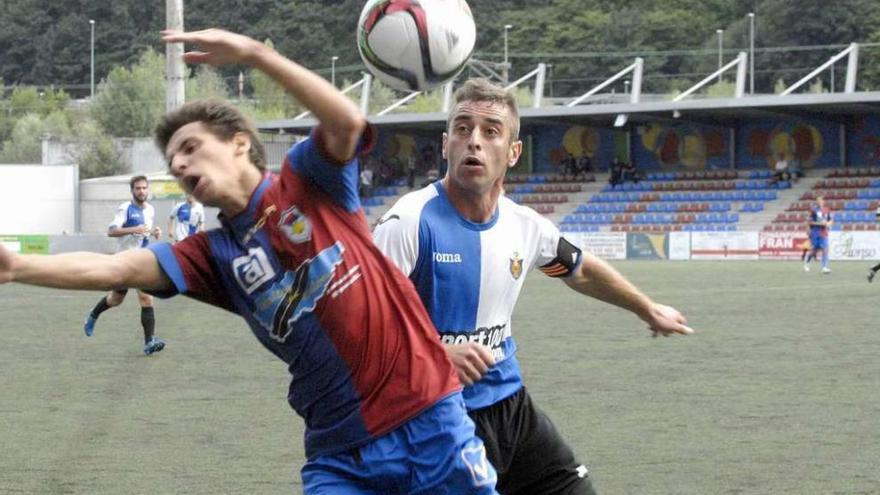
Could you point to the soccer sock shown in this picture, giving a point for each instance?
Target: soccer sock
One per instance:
(148, 320)
(100, 308)
(824, 259)
(876, 268)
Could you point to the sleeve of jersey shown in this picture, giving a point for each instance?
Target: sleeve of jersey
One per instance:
(119, 217)
(340, 180)
(397, 238)
(557, 257)
(188, 265)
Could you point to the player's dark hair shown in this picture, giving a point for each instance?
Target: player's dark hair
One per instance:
(481, 89)
(220, 117)
(134, 180)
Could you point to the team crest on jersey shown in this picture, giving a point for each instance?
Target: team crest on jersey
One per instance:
(516, 265)
(295, 225)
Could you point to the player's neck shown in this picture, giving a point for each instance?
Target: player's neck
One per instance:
(477, 207)
(237, 202)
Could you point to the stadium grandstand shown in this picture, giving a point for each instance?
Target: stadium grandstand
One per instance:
(703, 164)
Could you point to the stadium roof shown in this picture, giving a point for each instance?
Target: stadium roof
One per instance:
(725, 112)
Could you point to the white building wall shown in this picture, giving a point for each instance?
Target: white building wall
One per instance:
(38, 200)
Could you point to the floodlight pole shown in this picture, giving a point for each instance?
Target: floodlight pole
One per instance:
(505, 70)
(751, 53)
(92, 58)
(176, 72)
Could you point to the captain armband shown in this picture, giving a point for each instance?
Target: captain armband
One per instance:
(567, 259)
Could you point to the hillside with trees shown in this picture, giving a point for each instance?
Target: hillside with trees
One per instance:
(45, 47)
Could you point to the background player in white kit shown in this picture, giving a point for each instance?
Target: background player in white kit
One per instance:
(187, 218)
(132, 226)
(466, 248)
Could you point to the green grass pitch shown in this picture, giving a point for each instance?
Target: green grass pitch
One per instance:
(778, 392)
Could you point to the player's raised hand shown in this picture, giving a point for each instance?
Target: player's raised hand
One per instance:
(666, 320)
(471, 360)
(5, 264)
(216, 46)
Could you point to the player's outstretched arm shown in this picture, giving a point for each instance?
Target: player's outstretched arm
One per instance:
(342, 122)
(598, 279)
(136, 268)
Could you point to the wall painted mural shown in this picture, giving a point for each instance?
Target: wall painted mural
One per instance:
(863, 140)
(553, 144)
(808, 142)
(680, 147)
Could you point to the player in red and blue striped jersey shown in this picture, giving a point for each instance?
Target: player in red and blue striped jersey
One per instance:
(820, 222)
(294, 256)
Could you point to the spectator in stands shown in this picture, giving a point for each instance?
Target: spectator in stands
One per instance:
(615, 176)
(820, 223)
(874, 269)
(411, 172)
(630, 173)
(780, 170)
(366, 182)
(584, 166)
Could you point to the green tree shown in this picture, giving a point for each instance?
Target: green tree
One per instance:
(25, 142)
(206, 82)
(130, 102)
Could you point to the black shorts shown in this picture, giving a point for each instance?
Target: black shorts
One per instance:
(530, 456)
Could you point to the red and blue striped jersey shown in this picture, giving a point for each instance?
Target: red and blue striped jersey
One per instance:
(300, 266)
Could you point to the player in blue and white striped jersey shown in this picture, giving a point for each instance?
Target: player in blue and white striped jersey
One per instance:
(186, 218)
(467, 248)
(132, 226)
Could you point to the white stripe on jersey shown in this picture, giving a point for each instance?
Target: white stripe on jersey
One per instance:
(469, 275)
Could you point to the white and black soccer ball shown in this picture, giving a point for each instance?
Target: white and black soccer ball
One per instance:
(415, 45)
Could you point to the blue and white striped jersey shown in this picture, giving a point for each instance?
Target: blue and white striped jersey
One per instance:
(469, 275)
(130, 215)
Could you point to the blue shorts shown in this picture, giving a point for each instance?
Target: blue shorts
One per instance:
(434, 453)
(819, 242)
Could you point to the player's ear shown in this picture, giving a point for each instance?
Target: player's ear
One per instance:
(242, 143)
(445, 140)
(513, 153)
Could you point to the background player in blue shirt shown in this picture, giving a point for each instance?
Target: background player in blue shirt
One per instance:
(133, 225)
(186, 218)
(294, 257)
(466, 247)
(820, 222)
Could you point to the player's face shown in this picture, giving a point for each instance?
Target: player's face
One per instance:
(207, 167)
(478, 145)
(140, 191)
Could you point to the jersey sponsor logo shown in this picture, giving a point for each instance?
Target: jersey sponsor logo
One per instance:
(295, 225)
(447, 257)
(516, 265)
(475, 459)
(252, 270)
(298, 292)
(491, 337)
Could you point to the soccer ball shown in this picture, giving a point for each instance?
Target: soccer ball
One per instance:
(415, 45)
